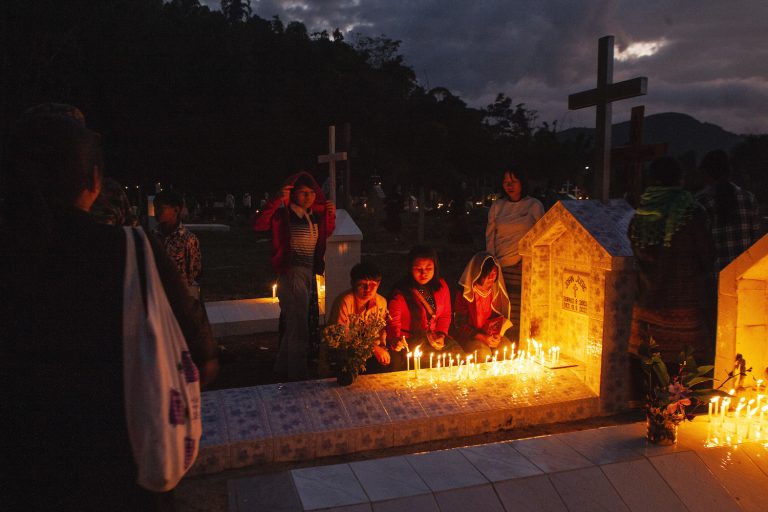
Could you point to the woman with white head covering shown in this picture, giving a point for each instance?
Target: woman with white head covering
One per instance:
(482, 308)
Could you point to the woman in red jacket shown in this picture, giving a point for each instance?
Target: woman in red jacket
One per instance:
(420, 308)
(301, 220)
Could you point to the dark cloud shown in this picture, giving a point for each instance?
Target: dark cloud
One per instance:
(712, 65)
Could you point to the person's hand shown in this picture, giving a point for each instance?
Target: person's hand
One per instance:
(208, 372)
(382, 355)
(285, 194)
(493, 340)
(436, 340)
(401, 344)
(330, 208)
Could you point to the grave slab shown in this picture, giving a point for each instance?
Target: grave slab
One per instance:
(302, 421)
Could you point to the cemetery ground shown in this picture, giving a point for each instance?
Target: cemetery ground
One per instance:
(236, 266)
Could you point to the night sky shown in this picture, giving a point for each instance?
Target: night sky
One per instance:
(705, 58)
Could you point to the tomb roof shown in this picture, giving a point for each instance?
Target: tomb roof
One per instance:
(606, 224)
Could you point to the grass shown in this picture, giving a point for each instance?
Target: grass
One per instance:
(236, 263)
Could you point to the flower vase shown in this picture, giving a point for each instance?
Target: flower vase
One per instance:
(661, 430)
(345, 378)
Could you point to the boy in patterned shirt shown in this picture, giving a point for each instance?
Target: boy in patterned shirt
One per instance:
(181, 244)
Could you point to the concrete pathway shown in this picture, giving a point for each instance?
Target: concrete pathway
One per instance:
(611, 469)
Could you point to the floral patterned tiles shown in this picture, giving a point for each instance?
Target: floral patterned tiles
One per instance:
(315, 419)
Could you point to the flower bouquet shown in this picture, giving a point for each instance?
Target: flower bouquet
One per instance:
(672, 399)
(353, 344)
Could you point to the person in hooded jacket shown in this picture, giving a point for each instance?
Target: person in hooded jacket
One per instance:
(481, 310)
(300, 220)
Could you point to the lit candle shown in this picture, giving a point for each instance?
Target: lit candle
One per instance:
(504, 353)
(759, 383)
(715, 400)
(724, 410)
(408, 361)
(762, 412)
(431, 354)
(274, 292)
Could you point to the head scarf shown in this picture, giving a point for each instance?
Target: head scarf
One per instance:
(500, 302)
(663, 211)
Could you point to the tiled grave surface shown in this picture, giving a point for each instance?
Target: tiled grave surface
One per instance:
(578, 288)
(313, 419)
(610, 468)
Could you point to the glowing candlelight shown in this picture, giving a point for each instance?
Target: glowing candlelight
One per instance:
(759, 383)
(408, 361)
(417, 359)
(274, 292)
(504, 353)
(431, 354)
(762, 412)
(715, 401)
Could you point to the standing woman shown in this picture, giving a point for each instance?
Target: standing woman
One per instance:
(510, 217)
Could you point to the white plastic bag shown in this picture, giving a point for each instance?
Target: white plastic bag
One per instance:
(162, 384)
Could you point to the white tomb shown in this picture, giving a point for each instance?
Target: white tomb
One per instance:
(742, 313)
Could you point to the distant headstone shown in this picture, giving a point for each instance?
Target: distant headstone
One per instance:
(331, 158)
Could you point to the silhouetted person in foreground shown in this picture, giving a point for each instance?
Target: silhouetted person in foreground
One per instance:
(61, 283)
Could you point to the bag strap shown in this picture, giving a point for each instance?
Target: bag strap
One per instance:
(141, 266)
(430, 311)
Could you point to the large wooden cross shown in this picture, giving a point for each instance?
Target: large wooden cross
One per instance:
(601, 97)
(331, 158)
(635, 153)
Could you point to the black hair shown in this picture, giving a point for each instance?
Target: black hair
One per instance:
(715, 164)
(518, 172)
(364, 270)
(304, 181)
(488, 265)
(51, 161)
(665, 171)
(426, 253)
(168, 197)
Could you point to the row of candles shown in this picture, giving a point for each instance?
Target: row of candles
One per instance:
(742, 419)
(450, 366)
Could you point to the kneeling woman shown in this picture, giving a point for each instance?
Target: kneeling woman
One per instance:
(482, 308)
(420, 308)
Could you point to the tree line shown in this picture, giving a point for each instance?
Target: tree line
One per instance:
(215, 100)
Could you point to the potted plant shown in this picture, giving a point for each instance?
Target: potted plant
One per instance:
(672, 399)
(352, 344)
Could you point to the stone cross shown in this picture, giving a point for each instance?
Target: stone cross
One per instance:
(635, 153)
(601, 97)
(331, 158)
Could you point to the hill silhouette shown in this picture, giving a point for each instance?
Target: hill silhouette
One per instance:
(682, 133)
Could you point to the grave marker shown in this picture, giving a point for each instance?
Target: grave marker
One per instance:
(635, 153)
(601, 97)
(331, 158)
(578, 288)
